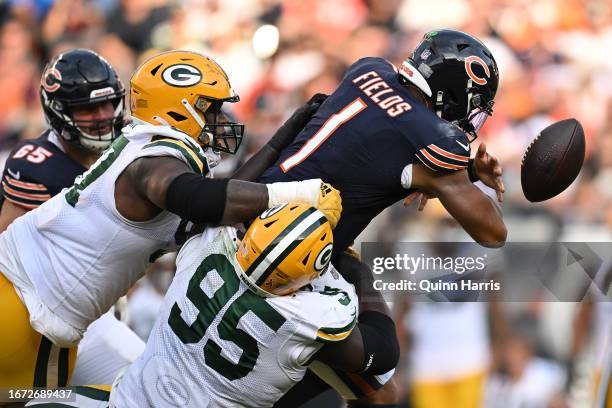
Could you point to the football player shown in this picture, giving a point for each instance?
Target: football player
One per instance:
(38, 169)
(67, 262)
(242, 321)
(388, 133)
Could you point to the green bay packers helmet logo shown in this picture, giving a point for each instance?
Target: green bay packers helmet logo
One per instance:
(181, 75)
(322, 260)
(271, 211)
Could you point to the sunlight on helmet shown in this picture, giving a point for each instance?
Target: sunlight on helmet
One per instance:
(265, 41)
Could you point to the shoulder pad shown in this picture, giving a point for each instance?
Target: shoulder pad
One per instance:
(185, 150)
(449, 152)
(333, 307)
(372, 63)
(21, 182)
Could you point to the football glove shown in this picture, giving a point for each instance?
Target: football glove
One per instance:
(313, 192)
(285, 135)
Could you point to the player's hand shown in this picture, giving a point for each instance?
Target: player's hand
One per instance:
(330, 203)
(285, 135)
(313, 192)
(417, 195)
(489, 171)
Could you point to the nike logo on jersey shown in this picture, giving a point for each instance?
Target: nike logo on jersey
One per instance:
(465, 147)
(13, 175)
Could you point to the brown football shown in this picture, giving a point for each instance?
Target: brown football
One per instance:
(553, 160)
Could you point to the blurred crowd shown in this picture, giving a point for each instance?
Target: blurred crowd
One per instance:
(554, 62)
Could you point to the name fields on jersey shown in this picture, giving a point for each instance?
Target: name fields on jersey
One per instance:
(381, 93)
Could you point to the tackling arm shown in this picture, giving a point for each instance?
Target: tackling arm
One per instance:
(168, 183)
(372, 347)
(151, 184)
(474, 210)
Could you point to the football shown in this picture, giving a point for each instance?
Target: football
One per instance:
(553, 160)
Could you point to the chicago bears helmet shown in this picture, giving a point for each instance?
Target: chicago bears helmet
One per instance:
(81, 78)
(285, 248)
(458, 75)
(186, 90)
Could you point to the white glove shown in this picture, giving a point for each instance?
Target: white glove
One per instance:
(306, 192)
(312, 192)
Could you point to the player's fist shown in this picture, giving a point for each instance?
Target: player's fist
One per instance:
(330, 203)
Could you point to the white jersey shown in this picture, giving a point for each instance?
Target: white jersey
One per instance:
(75, 255)
(217, 344)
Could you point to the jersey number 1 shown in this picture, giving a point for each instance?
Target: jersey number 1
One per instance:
(334, 122)
(210, 306)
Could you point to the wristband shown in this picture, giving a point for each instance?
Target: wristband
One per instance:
(471, 172)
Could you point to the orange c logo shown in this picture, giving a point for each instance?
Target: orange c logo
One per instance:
(468, 68)
(50, 80)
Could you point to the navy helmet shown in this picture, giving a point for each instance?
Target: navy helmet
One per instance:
(78, 79)
(458, 75)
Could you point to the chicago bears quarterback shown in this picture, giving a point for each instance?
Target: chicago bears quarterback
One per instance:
(67, 262)
(40, 168)
(388, 133)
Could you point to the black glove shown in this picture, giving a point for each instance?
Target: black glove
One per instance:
(288, 131)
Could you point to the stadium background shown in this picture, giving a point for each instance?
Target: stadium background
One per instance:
(554, 60)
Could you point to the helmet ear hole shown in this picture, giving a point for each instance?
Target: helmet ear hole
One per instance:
(176, 116)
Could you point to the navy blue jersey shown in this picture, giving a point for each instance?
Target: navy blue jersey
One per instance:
(361, 140)
(35, 171)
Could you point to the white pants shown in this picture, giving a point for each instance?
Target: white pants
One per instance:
(108, 347)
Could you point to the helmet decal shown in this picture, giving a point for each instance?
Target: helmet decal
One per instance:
(181, 75)
(322, 260)
(96, 93)
(51, 79)
(271, 211)
(468, 68)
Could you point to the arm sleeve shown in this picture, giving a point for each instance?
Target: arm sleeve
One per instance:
(446, 154)
(20, 185)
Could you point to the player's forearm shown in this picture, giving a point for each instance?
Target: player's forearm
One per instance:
(244, 201)
(215, 201)
(478, 215)
(257, 164)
